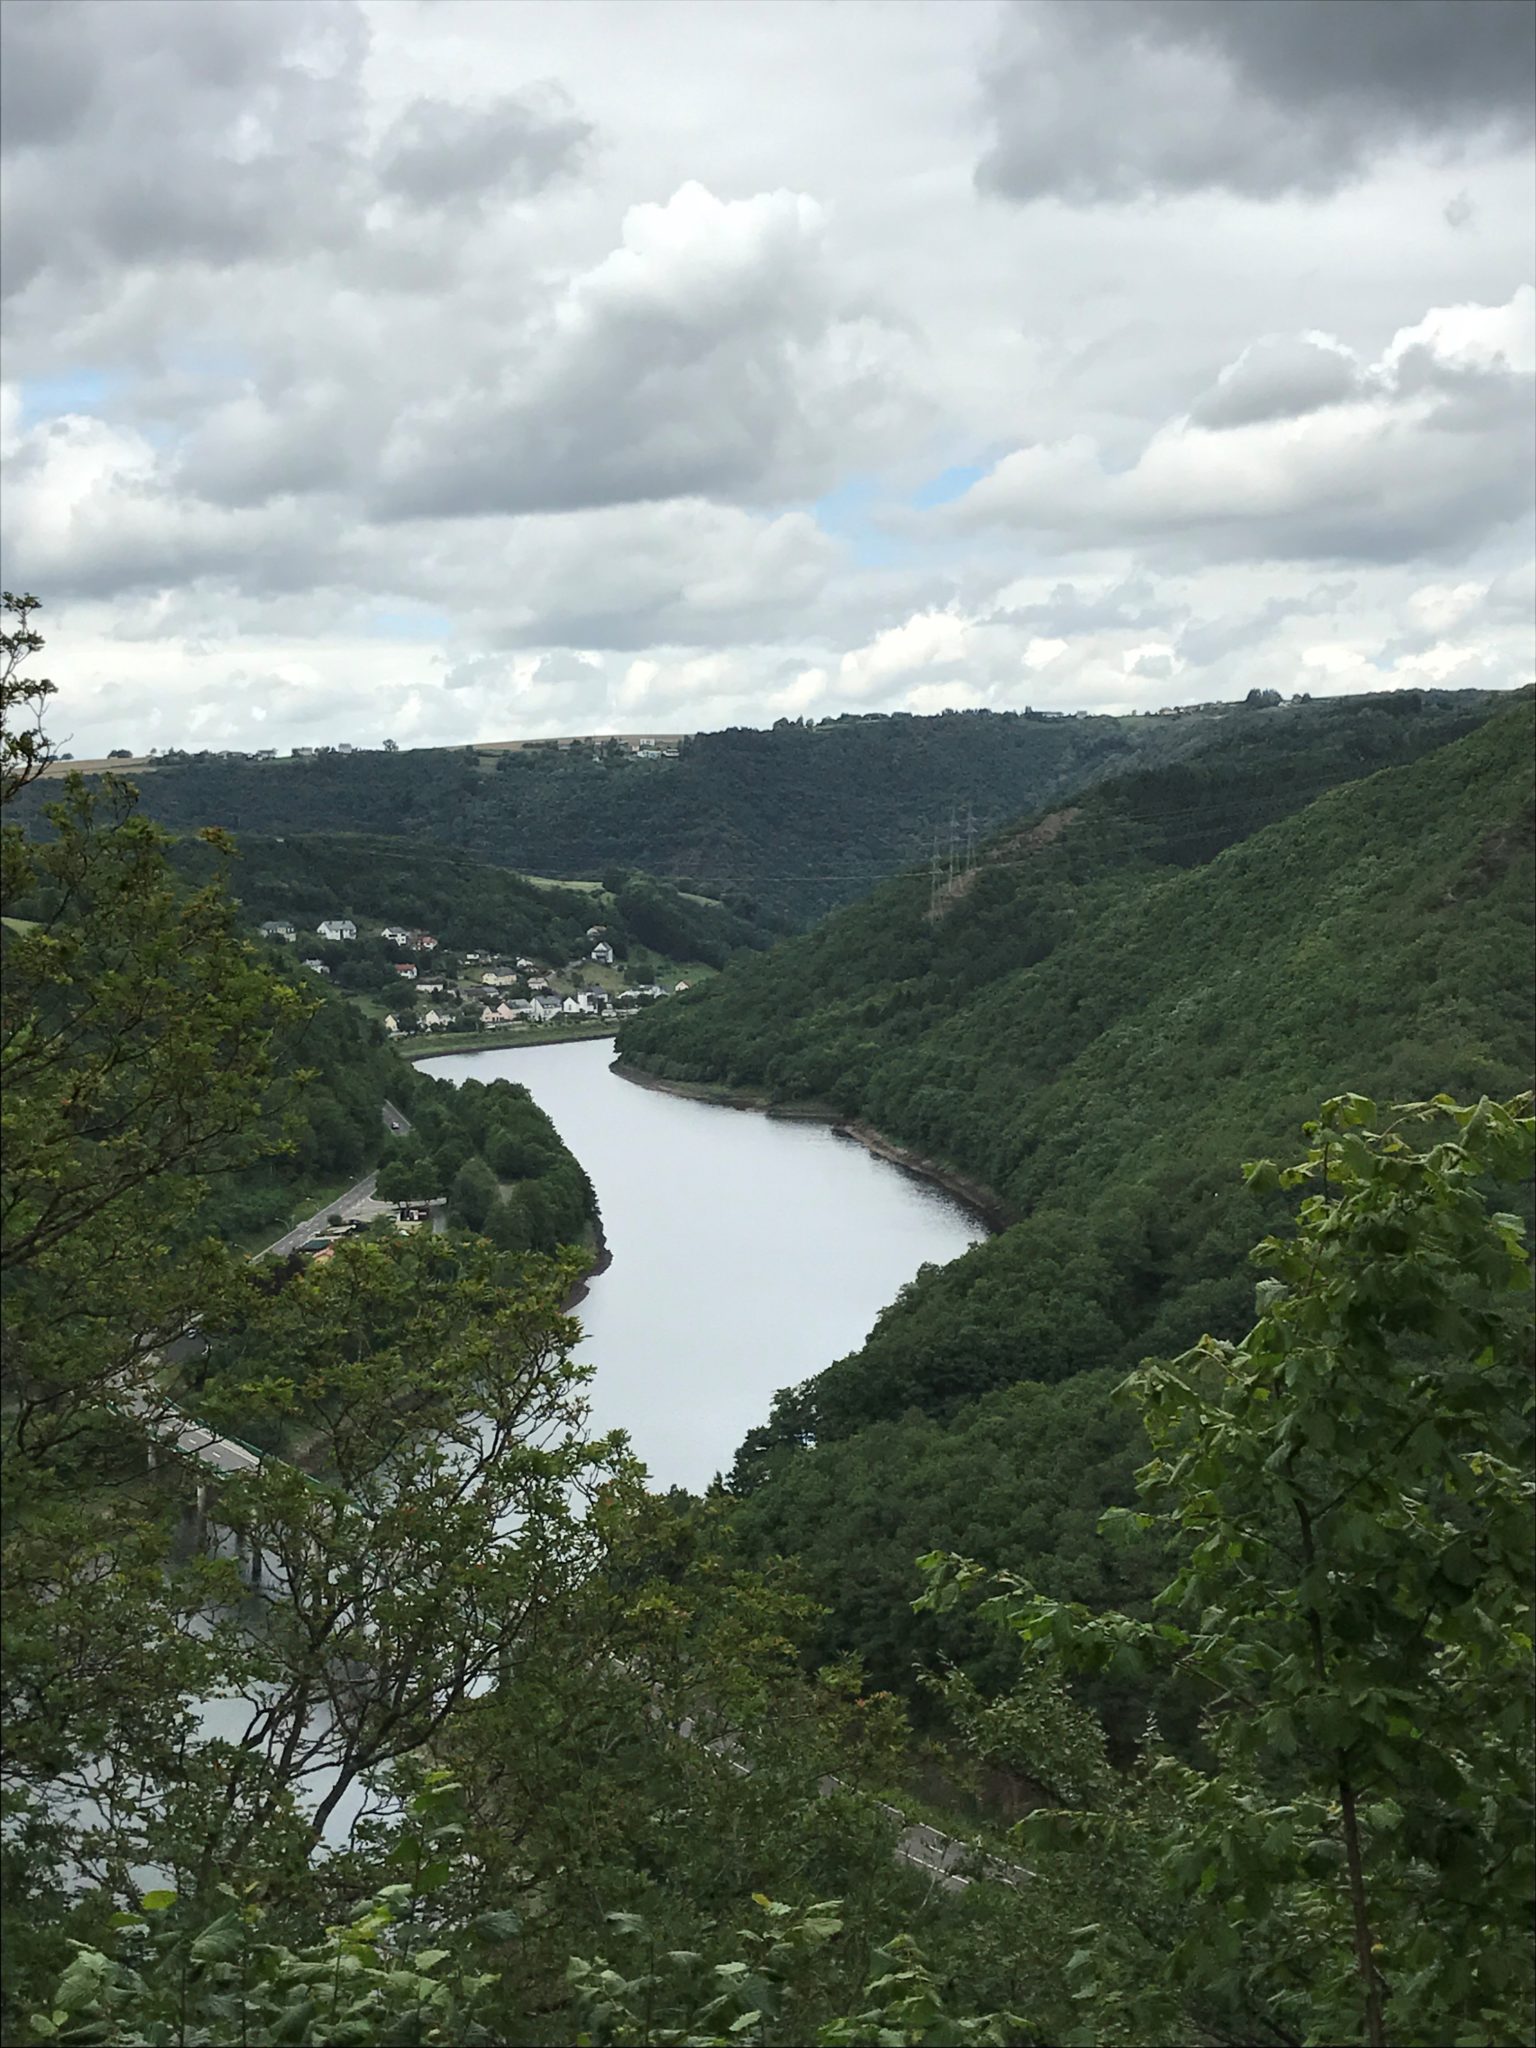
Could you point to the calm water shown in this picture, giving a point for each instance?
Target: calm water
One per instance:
(747, 1253)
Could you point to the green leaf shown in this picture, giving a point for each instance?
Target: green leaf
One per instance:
(499, 1925)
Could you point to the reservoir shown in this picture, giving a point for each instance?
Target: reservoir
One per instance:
(747, 1251)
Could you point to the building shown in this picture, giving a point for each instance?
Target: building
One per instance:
(405, 969)
(602, 954)
(336, 928)
(396, 934)
(278, 928)
(424, 942)
(315, 966)
(392, 1026)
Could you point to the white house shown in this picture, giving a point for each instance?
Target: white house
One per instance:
(433, 1022)
(596, 931)
(278, 928)
(523, 965)
(544, 1008)
(336, 928)
(315, 966)
(681, 986)
(397, 934)
(571, 1007)
(405, 969)
(392, 1026)
(602, 953)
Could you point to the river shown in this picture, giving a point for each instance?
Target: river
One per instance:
(747, 1251)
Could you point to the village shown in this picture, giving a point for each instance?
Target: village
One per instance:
(483, 991)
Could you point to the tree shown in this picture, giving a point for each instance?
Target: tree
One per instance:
(1348, 1494)
(24, 752)
(120, 753)
(472, 1194)
(391, 747)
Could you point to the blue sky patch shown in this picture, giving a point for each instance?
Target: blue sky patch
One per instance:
(415, 623)
(948, 485)
(44, 398)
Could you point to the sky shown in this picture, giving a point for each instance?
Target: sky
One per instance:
(466, 369)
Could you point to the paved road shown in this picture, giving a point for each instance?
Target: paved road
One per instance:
(347, 1205)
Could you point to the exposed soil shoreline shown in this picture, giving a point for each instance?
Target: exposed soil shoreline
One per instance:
(602, 1259)
(985, 1202)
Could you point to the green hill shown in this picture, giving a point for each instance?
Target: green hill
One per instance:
(798, 819)
(466, 902)
(1124, 998)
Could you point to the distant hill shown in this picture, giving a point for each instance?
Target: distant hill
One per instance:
(1128, 995)
(795, 820)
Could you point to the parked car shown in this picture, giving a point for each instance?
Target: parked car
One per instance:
(315, 1244)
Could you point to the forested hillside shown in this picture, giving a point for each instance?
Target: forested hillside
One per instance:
(465, 902)
(796, 819)
(1126, 997)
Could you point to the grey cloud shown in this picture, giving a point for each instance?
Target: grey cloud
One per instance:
(205, 133)
(708, 356)
(1437, 455)
(565, 667)
(1208, 641)
(146, 133)
(1280, 377)
(1459, 210)
(1132, 605)
(1093, 103)
(437, 152)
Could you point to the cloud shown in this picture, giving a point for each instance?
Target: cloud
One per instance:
(707, 354)
(1261, 98)
(158, 133)
(448, 369)
(1423, 453)
(1280, 377)
(437, 152)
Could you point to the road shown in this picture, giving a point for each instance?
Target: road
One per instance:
(347, 1205)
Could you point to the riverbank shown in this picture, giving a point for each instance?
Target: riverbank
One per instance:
(429, 1046)
(986, 1203)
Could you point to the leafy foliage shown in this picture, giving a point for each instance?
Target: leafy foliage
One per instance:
(1349, 1497)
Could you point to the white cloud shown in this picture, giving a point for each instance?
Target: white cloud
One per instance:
(444, 369)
